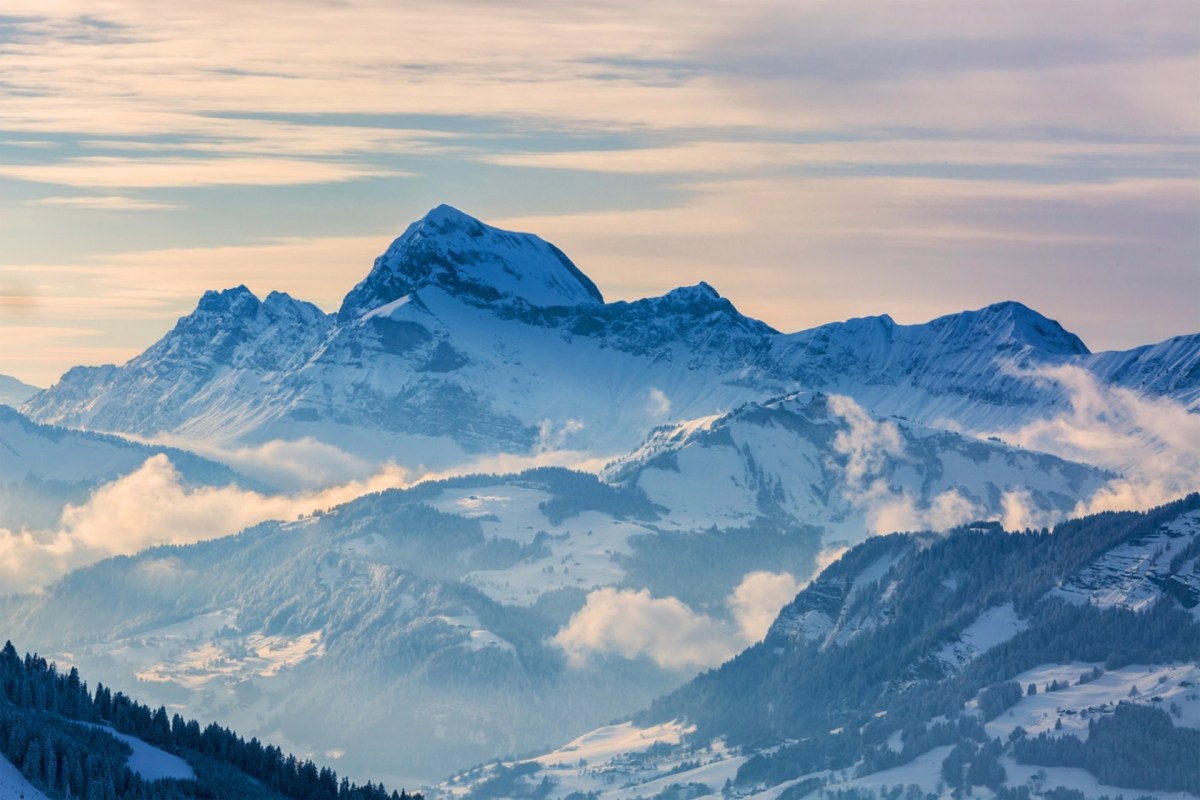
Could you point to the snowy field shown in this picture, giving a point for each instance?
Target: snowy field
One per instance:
(148, 761)
(624, 762)
(13, 785)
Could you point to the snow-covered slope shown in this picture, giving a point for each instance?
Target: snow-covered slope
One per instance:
(465, 339)
(625, 761)
(1137, 574)
(1170, 368)
(970, 370)
(374, 607)
(150, 762)
(960, 664)
(14, 785)
(470, 582)
(13, 392)
(219, 364)
(823, 460)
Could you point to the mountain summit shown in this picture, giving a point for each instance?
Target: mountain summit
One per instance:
(466, 339)
(1008, 325)
(456, 252)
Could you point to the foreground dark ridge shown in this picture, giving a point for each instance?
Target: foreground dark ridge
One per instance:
(1057, 664)
(40, 709)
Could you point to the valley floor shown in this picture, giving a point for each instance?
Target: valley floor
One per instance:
(625, 762)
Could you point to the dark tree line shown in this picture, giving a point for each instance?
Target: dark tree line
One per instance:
(995, 700)
(65, 759)
(1136, 746)
(41, 706)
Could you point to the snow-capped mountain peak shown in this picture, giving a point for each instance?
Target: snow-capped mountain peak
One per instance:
(239, 301)
(231, 326)
(505, 331)
(474, 261)
(1013, 325)
(701, 300)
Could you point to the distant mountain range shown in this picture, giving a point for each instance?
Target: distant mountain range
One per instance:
(465, 339)
(438, 607)
(470, 617)
(13, 392)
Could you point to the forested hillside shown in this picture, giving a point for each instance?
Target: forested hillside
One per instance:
(1054, 663)
(71, 742)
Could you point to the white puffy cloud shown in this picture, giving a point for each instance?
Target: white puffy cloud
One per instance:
(1153, 442)
(659, 405)
(635, 624)
(828, 555)
(553, 436)
(153, 506)
(951, 508)
(303, 464)
(867, 445)
(1020, 513)
(757, 599)
(869, 449)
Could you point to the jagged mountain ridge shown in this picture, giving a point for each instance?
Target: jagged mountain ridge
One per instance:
(823, 459)
(468, 339)
(215, 362)
(967, 368)
(1169, 368)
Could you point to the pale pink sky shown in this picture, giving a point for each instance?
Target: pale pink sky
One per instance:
(811, 160)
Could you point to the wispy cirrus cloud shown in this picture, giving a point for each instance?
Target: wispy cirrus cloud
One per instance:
(732, 156)
(836, 153)
(163, 283)
(142, 173)
(666, 65)
(104, 203)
